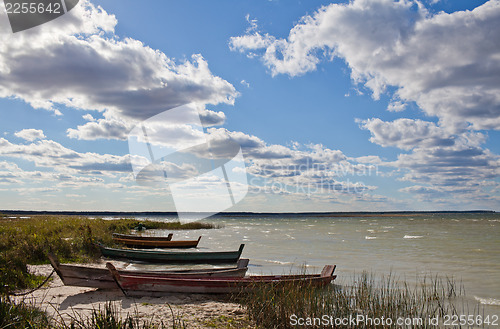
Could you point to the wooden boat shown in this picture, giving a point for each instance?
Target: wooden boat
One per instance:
(94, 277)
(137, 285)
(166, 257)
(142, 237)
(153, 242)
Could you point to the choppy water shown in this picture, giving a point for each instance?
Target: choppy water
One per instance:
(463, 246)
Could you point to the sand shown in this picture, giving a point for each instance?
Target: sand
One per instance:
(65, 303)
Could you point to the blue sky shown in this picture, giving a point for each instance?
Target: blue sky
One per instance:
(368, 105)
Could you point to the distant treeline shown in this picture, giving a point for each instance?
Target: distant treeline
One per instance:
(241, 214)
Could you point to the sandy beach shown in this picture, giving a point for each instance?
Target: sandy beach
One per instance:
(64, 303)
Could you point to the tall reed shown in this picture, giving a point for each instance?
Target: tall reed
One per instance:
(366, 302)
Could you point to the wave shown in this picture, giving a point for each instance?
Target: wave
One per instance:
(370, 237)
(278, 262)
(488, 301)
(413, 236)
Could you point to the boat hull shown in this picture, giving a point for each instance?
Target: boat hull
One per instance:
(154, 243)
(168, 257)
(135, 285)
(93, 277)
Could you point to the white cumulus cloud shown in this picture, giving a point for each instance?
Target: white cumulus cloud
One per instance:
(30, 134)
(78, 61)
(449, 64)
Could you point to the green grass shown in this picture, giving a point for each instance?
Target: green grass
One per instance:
(277, 306)
(27, 241)
(21, 315)
(227, 322)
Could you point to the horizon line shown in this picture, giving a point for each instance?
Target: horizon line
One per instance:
(240, 213)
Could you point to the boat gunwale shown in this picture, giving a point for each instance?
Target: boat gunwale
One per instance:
(159, 243)
(177, 256)
(142, 237)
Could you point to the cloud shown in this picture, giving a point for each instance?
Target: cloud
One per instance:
(9, 166)
(449, 64)
(456, 198)
(426, 193)
(313, 166)
(35, 190)
(463, 174)
(78, 61)
(407, 133)
(439, 161)
(211, 118)
(30, 134)
(114, 127)
(88, 117)
(375, 159)
(396, 106)
(48, 153)
(311, 169)
(298, 169)
(11, 173)
(461, 164)
(109, 127)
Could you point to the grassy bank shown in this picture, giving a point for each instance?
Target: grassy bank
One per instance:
(27, 240)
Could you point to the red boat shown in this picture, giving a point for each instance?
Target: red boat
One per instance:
(137, 285)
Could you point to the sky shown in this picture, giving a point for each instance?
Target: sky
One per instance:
(315, 106)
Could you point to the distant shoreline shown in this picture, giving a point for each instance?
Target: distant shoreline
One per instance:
(246, 214)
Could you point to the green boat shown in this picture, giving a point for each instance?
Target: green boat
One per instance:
(190, 257)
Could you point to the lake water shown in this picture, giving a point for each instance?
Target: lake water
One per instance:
(463, 246)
